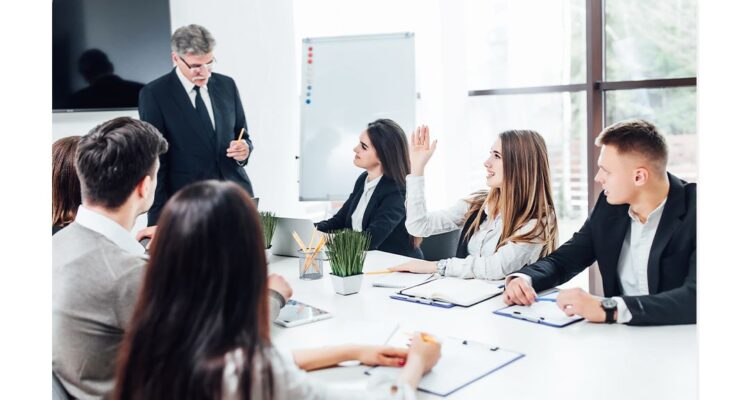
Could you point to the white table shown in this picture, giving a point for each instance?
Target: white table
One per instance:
(581, 361)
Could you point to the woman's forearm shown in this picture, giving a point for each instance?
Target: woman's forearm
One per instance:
(321, 357)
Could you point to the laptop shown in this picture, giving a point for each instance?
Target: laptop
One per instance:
(283, 244)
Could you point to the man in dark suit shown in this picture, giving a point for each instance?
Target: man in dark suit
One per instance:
(201, 116)
(641, 232)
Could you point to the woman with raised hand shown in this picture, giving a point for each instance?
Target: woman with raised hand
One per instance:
(376, 204)
(510, 224)
(200, 328)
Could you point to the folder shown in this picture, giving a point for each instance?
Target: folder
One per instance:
(544, 311)
(447, 292)
(400, 280)
(462, 363)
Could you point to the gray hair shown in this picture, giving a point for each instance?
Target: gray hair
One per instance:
(193, 39)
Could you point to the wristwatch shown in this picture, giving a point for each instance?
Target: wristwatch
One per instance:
(610, 306)
(441, 265)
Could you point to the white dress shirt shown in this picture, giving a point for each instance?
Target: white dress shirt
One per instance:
(191, 93)
(359, 212)
(484, 260)
(110, 229)
(632, 266)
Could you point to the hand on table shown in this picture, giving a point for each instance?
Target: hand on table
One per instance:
(278, 283)
(579, 302)
(416, 266)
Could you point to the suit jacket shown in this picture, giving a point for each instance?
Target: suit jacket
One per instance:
(383, 219)
(671, 261)
(194, 153)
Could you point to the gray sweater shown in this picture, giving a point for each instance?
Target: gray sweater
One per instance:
(95, 285)
(94, 288)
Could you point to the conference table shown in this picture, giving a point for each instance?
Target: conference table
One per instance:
(581, 361)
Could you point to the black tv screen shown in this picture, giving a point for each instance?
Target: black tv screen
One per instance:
(104, 51)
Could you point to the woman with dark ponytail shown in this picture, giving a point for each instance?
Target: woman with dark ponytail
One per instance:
(376, 204)
(200, 329)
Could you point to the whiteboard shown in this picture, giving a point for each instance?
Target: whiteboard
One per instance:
(348, 82)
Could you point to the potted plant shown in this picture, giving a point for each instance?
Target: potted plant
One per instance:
(347, 250)
(269, 221)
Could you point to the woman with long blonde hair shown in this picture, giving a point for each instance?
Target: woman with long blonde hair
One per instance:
(503, 228)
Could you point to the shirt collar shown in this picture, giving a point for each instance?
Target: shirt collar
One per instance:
(654, 215)
(108, 228)
(371, 184)
(185, 81)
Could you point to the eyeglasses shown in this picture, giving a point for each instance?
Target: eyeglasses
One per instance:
(197, 67)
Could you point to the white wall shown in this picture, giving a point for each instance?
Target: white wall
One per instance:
(255, 46)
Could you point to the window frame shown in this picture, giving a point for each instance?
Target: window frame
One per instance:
(595, 87)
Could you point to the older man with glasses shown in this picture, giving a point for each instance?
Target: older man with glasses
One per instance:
(200, 114)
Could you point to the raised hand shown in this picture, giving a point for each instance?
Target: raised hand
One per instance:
(420, 149)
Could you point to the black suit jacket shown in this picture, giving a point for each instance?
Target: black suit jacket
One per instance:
(671, 261)
(194, 154)
(383, 219)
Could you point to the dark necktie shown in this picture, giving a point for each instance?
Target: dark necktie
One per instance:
(200, 107)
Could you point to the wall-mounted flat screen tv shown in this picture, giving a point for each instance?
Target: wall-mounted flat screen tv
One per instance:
(104, 51)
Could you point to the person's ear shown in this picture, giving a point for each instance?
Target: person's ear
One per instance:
(144, 186)
(641, 176)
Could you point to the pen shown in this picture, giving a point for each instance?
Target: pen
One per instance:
(546, 299)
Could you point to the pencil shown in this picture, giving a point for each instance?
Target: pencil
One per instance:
(240, 136)
(299, 241)
(427, 338)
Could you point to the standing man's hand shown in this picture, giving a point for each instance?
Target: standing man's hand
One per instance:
(239, 150)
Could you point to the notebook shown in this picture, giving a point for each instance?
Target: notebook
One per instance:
(461, 363)
(400, 280)
(544, 311)
(461, 292)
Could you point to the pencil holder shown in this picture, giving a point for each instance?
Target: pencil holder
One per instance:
(310, 267)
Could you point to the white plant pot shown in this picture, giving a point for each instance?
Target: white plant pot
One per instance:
(348, 284)
(268, 254)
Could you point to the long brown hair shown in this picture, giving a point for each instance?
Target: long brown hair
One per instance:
(66, 189)
(204, 295)
(525, 194)
(392, 148)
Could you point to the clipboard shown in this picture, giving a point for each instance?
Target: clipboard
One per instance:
(463, 362)
(434, 301)
(544, 311)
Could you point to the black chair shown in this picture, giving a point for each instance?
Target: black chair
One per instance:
(58, 391)
(438, 247)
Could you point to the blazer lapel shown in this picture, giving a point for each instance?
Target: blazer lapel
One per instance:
(619, 226)
(674, 210)
(376, 194)
(217, 97)
(181, 98)
(358, 191)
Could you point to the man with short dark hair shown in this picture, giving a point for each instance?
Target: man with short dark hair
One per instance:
(641, 232)
(97, 265)
(200, 114)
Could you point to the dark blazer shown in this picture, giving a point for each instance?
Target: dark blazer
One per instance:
(383, 219)
(195, 153)
(671, 261)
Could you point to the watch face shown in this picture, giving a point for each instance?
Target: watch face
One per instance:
(609, 303)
